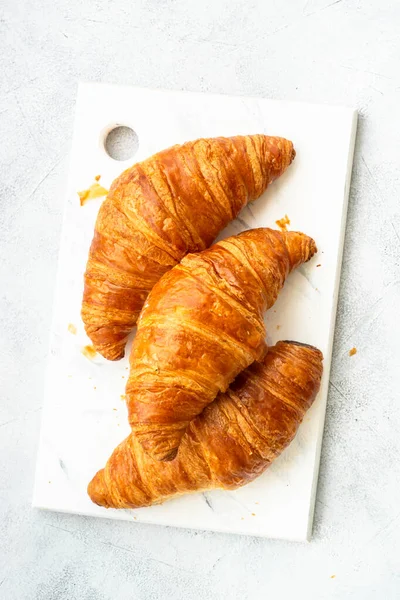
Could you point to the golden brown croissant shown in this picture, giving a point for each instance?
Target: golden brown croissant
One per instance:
(201, 325)
(175, 202)
(232, 442)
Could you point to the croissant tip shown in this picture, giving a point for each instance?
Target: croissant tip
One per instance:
(295, 343)
(96, 490)
(113, 354)
(288, 154)
(313, 248)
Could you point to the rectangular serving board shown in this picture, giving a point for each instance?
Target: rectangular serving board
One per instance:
(84, 417)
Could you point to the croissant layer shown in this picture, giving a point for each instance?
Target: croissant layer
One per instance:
(231, 443)
(171, 204)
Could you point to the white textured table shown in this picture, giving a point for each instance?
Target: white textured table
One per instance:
(344, 52)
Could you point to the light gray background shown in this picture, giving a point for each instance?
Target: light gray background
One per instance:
(344, 52)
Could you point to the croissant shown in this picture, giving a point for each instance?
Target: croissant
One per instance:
(175, 202)
(201, 325)
(231, 443)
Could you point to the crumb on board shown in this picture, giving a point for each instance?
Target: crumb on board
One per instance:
(283, 223)
(135, 518)
(94, 191)
(253, 514)
(256, 503)
(123, 376)
(94, 387)
(333, 576)
(353, 351)
(72, 328)
(278, 326)
(89, 352)
(319, 265)
(242, 518)
(114, 409)
(123, 396)
(97, 177)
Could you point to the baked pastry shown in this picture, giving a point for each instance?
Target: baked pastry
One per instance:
(173, 203)
(231, 443)
(201, 325)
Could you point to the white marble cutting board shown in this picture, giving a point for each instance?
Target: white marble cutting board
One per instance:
(84, 417)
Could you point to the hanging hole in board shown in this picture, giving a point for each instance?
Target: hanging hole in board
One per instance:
(121, 143)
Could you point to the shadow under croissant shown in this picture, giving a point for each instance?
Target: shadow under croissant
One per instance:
(231, 443)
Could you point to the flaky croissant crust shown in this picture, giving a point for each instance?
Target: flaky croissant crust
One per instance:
(173, 203)
(232, 442)
(202, 324)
